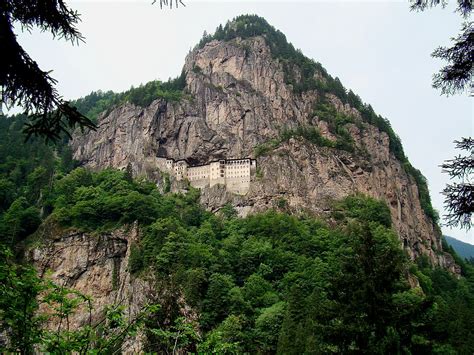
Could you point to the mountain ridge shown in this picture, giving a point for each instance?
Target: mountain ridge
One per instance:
(248, 26)
(463, 249)
(237, 103)
(327, 247)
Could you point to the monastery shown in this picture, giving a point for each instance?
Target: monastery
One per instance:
(235, 174)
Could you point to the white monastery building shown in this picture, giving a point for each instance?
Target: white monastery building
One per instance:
(235, 174)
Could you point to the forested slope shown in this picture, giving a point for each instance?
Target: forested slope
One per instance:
(464, 250)
(268, 283)
(340, 253)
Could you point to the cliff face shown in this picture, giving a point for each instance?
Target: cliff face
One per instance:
(236, 99)
(97, 266)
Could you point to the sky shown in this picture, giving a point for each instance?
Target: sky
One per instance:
(379, 49)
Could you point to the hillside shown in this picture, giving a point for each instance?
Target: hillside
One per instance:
(247, 93)
(139, 237)
(464, 250)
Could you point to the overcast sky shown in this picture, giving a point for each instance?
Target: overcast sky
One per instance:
(379, 49)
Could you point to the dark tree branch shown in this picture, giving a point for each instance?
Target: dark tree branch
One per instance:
(464, 6)
(49, 15)
(459, 197)
(459, 202)
(457, 75)
(169, 2)
(459, 167)
(422, 5)
(22, 82)
(465, 144)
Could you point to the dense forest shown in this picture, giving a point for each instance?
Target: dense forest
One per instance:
(98, 102)
(268, 283)
(464, 250)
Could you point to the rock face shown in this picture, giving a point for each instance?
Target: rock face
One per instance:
(97, 266)
(237, 98)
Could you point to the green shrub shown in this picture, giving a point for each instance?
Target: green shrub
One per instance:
(97, 102)
(135, 261)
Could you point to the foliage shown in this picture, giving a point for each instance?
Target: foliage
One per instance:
(269, 283)
(28, 302)
(103, 200)
(452, 322)
(97, 102)
(359, 207)
(23, 83)
(177, 337)
(423, 191)
(459, 197)
(256, 281)
(228, 211)
(26, 175)
(457, 75)
(309, 133)
(464, 250)
(19, 221)
(336, 124)
(19, 288)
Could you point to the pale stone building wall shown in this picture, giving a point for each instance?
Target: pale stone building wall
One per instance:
(217, 173)
(181, 170)
(198, 176)
(235, 174)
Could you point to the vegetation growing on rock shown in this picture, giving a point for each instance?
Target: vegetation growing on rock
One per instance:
(304, 74)
(268, 283)
(97, 102)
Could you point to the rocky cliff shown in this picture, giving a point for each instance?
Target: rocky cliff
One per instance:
(98, 266)
(237, 98)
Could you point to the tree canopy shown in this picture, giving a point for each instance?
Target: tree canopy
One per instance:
(268, 283)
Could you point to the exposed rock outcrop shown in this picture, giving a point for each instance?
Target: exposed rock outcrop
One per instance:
(97, 266)
(237, 98)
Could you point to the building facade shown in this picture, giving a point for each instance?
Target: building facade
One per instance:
(235, 174)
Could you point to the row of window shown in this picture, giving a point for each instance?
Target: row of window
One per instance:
(237, 168)
(198, 177)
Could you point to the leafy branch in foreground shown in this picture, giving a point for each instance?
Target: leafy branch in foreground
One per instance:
(28, 304)
(170, 2)
(459, 197)
(457, 75)
(22, 82)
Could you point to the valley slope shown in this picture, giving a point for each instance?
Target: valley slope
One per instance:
(245, 96)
